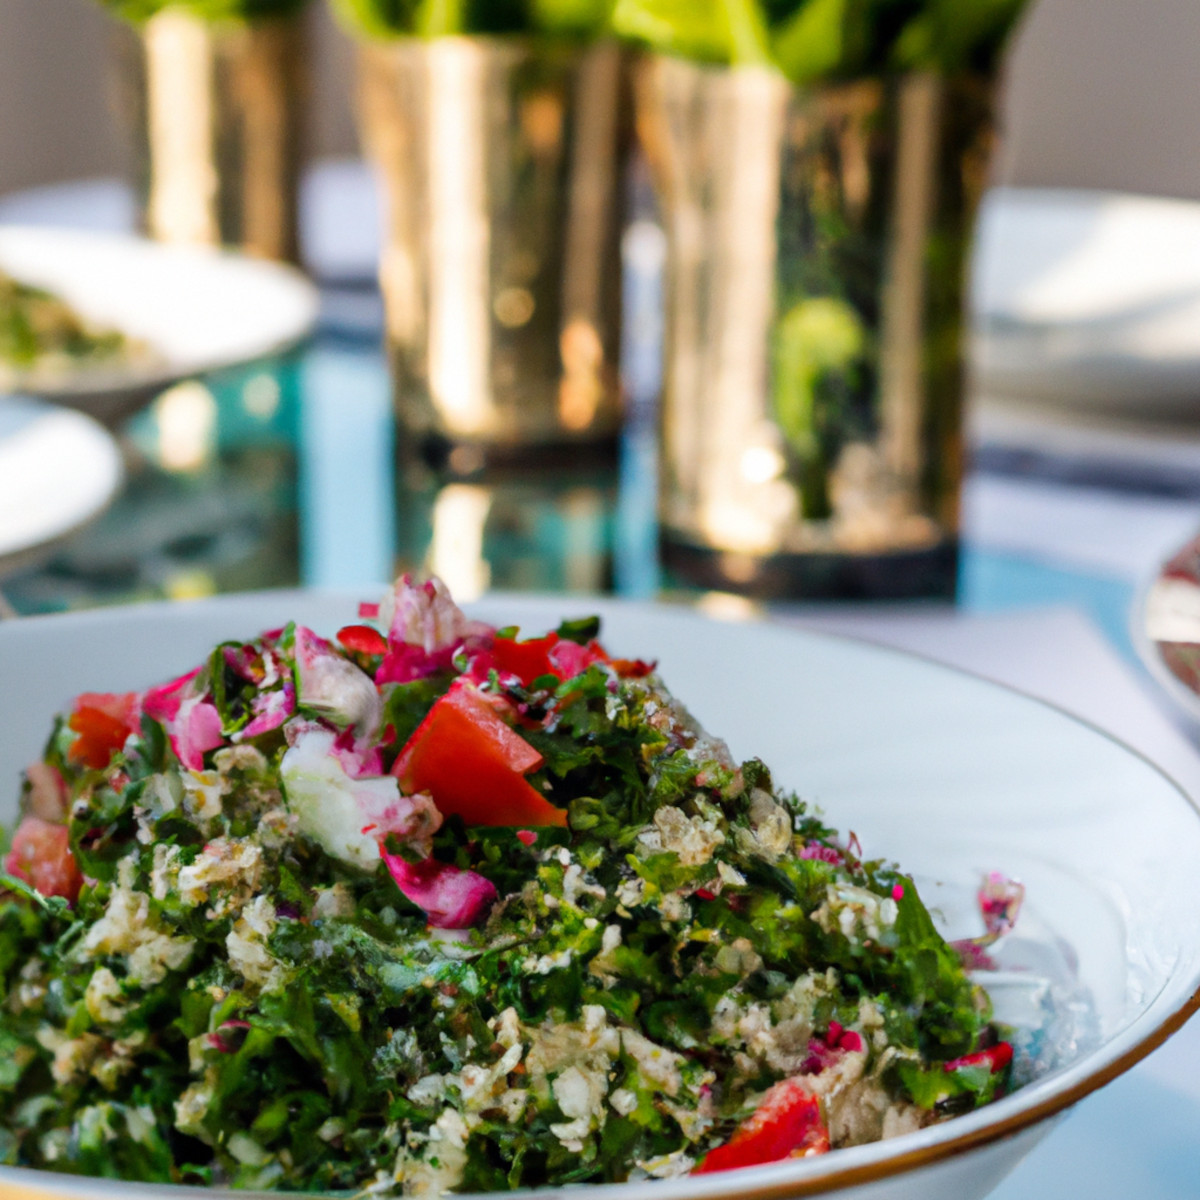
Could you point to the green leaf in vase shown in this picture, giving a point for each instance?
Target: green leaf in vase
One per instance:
(728, 31)
(574, 18)
(957, 35)
(207, 10)
(820, 38)
(376, 18)
(819, 345)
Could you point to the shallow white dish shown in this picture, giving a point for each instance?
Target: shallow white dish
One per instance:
(58, 471)
(195, 310)
(340, 215)
(1165, 627)
(1089, 300)
(950, 775)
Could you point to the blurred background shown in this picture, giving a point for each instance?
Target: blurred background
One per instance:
(888, 329)
(1086, 103)
(277, 460)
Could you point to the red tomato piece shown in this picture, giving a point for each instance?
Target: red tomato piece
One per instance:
(995, 1058)
(41, 856)
(103, 722)
(474, 765)
(787, 1124)
(633, 668)
(526, 660)
(363, 639)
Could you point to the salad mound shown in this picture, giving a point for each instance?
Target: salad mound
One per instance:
(436, 907)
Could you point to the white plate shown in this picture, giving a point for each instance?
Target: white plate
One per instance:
(341, 215)
(1165, 627)
(58, 471)
(1089, 300)
(196, 310)
(948, 774)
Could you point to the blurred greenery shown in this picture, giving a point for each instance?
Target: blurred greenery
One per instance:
(807, 40)
(825, 39)
(442, 18)
(821, 348)
(206, 10)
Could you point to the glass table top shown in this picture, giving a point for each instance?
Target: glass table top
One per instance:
(285, 472)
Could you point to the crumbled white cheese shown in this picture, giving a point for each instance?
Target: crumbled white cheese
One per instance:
(126, 929)
(692, 839)
(277, 828)
(164, 791)
(235, 864)
(855, 912)
(903, 1118)
(429, 1089)
(668, 1166)
(334, 901)
(656, 1064)
(545, 963)
(192, 1106)
(202, 793)
(440, 1168)
(507, 1028)
(103, 997)
(165, 871)
(481, 1087)
(580, 1097)
(604, 964)
(730, 876)
(73, 1057)
(771, 824)
(575, 884)
(246, 944)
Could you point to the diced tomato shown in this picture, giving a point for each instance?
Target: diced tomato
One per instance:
(363, 639)
(103, 722)
(41, 856)
(995, 1058)
(474, 765)
(787, 1124)
(549, 655)
(632, 668)
(526, 660)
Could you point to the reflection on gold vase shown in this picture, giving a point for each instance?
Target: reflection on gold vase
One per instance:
(216, 112)
(501, 161)
(817, 241)
(510, 529)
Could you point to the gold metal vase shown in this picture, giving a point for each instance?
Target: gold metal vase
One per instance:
(501, 161)
(817, 242)
(216, 111)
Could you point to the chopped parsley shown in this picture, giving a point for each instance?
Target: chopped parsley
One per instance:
(285, 923)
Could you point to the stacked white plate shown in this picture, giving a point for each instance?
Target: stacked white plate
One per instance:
(1088, 301)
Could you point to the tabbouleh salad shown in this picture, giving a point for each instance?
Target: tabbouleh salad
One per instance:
(42, 337)
(430, 907)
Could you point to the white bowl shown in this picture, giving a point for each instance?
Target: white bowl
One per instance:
(195, 310)
(949, 775)
(1088, 301)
